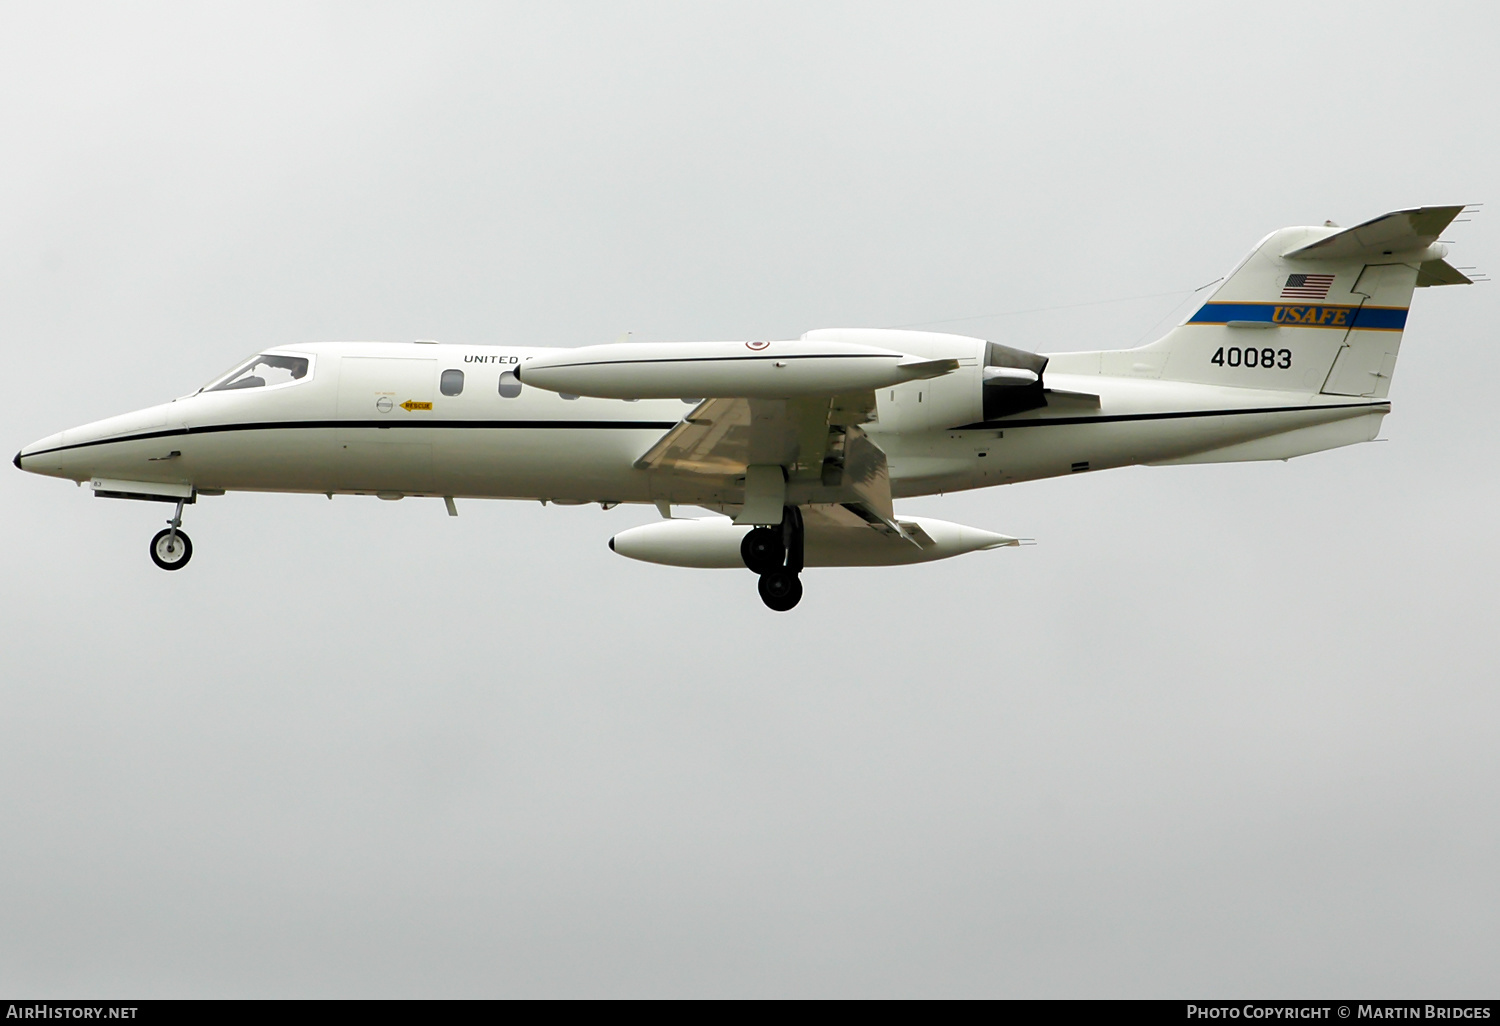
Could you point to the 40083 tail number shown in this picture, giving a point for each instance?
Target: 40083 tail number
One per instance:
(1234, 356)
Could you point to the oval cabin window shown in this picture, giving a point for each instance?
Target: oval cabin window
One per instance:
(452, 382)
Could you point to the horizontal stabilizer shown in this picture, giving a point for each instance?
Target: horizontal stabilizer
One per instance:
(1441, 272)
(1396, 232)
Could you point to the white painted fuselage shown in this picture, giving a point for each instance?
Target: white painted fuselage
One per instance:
(371, 418)
(804, 443)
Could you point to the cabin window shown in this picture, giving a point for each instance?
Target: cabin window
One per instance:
(510, 385)
(452, 382)
(567, 395)
(264, 370)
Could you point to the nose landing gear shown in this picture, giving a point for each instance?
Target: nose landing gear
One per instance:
(172, 548)
(775, 553)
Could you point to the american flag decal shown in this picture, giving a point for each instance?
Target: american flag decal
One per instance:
(1307, 286)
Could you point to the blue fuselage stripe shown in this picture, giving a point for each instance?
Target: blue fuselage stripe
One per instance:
(1303, 315)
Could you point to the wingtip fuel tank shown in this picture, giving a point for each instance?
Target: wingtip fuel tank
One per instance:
(710, 370)
(714, 543)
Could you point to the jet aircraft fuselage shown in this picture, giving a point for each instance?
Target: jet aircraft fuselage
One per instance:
(404, 419)
(804, 443)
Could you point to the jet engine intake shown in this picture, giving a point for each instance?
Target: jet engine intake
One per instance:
(1012, 381)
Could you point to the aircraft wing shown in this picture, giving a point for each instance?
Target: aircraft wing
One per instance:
(816, 441)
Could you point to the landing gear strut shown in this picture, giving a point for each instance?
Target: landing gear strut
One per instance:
(171, 549)
(775, 553)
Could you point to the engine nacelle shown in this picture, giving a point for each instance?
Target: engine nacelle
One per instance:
(714, 543)
(993, 380)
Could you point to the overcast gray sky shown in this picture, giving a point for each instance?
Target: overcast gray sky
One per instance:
(1225, 730)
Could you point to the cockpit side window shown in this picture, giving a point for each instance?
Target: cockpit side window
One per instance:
(262, 371)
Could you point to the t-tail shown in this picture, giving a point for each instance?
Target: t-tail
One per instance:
(1313, 310)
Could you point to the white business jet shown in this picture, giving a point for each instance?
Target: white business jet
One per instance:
(804, 444)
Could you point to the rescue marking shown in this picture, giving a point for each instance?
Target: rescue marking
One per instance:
(412, 404)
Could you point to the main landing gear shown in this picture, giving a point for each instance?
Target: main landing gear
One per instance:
(775, 553)
(171, 549)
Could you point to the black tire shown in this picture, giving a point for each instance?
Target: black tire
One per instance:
(162, 554)
(762, 550)
(780, 590)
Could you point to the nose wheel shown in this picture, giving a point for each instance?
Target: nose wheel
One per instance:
(775, 554)
(172, 548)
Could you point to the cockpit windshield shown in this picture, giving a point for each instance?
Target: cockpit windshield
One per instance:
(265, 369)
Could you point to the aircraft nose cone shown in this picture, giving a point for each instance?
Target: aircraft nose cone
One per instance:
(26, 459)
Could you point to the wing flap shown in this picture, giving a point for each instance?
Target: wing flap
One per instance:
(705, 441)
(724, 436)
(868, 478)
(817, 443)
(854, 521)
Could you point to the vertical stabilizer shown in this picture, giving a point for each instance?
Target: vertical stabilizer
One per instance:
(1309, 310)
